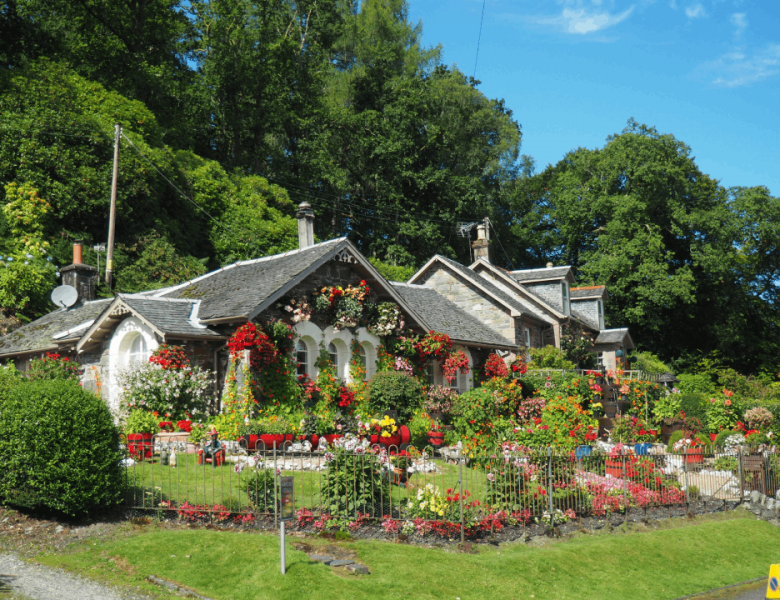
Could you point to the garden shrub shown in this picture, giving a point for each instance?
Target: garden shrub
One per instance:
(261, 489)
(395, 391)
(649, 363)
(60, 449)
(695, 405)
(172, 394)
(53, 366)
(549, 357)
(720, 440)
(10, 377)
(675, 437)
(354, 483)
(696, 384)
(419, 426)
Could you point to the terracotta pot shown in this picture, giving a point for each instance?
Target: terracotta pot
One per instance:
(140, 445)
(668, 430)
(436, 438)
(694, 455)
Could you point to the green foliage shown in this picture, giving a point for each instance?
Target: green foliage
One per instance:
(354, 483)
(577, 343)
(142, 421)
(152, 263)
(673, 439)
(262, 489)
(419, 426)
(720, 439)
(549, 357)
(698, 383)
(392, 272)
(172, 394)
(60, 450)
(649, 363)
(391, 390)
(696, 405)
(10, 377)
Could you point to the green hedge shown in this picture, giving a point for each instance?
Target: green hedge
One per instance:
(59, 449)
(393, 390)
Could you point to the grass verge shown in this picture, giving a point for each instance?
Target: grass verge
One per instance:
(662, 564)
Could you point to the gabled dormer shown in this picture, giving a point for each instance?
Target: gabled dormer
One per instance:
(587, 304)
(550, 284)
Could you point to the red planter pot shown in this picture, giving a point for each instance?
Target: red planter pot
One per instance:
(269, 438)
(393, 440)
(140, 445)
(615, 468)
(329, 437)
(436, 438)
(694, 455)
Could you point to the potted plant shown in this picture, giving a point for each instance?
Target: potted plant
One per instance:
(385, 432)
(616, 460)
(687, 441)
(140, 427)
(666, 413)
(643, 437)
(625, 390)
(310, 430)
(401, 463)
(325, 428)
(275, 430)
(439, 401)
(436, 435)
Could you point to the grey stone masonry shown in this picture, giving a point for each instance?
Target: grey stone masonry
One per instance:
(549, 292)
(472, 300)
(586, 311)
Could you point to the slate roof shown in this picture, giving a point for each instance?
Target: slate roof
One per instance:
(443, 316)
(37, 336)
(593, 291)
(235, 290)
(169, 316)
(494, 290)
(612, 336)
(540, 274)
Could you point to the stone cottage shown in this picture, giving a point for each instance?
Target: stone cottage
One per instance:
(481, 307)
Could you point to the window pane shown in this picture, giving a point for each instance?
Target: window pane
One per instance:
(302, 357)
(364, 361)
(334, 356)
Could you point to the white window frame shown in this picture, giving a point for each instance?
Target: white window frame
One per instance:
(302, 367)
(527, 337)
(565, 297)
(601, 314)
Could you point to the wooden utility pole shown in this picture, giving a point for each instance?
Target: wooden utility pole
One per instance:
(112, 213)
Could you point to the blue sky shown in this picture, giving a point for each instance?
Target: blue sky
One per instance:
(574, 71)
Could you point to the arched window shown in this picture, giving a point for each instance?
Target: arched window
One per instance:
(137, 351)
(430, 374)
(334, 356)
(302, 357)
(364, 361)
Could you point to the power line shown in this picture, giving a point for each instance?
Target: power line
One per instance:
(493, 227)
(479, 39)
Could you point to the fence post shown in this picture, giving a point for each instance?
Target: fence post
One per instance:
(741, 477)
(276, 492)
(460, 490)
(685, 466)
(625, 487)
(549, 483)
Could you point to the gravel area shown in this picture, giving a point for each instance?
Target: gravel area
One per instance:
(44, 583)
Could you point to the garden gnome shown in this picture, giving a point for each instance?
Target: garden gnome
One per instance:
(212, 448)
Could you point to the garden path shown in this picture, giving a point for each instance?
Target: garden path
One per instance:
(45, 583)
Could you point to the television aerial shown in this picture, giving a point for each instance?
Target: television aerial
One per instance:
(64, 296)
(464, 229)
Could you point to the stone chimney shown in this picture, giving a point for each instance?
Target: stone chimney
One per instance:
(305, 216)
(80, 276)
(550, 265)
(481, 246)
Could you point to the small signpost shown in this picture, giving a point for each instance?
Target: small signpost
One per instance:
(286, 510)
(773, 585)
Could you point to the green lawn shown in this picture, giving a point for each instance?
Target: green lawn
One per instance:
(661, 564)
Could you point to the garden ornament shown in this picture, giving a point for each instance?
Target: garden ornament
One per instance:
(172, 458)
(212, 448)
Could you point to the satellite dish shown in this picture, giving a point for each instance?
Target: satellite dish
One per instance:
(64, 296)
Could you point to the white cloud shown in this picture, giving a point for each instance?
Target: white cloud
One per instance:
(740, 23)
(738, 68)
(695, 11)
(582, 22)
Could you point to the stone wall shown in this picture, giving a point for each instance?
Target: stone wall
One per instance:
(587, 311)
(472, 300)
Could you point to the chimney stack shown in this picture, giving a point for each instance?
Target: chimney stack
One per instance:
(80, 276)
(550, 265)
(481, 246)
(305, 216)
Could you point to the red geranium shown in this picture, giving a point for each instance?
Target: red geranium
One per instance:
(184, 426)
(170, 357)
(495, 366)
(262, 352)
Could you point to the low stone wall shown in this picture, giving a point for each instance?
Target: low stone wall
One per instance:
(763, 506)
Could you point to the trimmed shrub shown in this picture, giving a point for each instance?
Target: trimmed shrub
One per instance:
(720, 440)
(394, 390)
(695, 405)
(60, 450)
(9, 378)
(673, 439)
